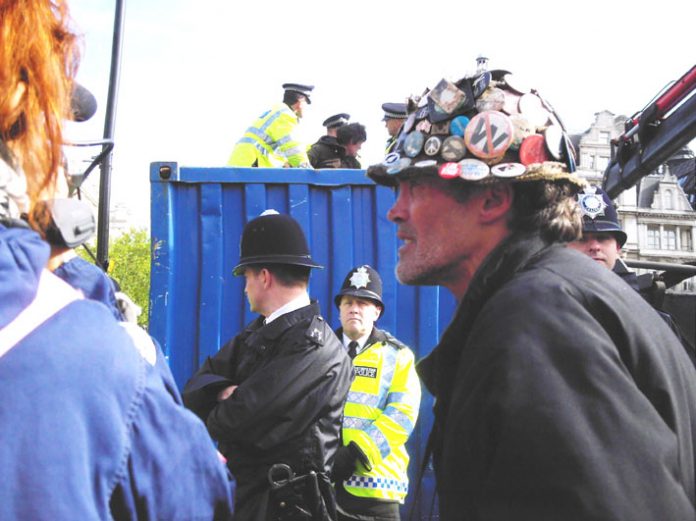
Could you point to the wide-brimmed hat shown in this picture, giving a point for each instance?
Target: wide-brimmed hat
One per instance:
(483, 128)
(273, 238)
(362, 282)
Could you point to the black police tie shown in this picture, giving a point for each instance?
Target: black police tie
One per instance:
(352, 349)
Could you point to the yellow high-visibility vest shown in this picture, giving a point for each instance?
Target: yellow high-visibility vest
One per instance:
(268, 142)
(379, 416)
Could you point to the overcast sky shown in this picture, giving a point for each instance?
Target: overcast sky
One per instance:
(195, 74)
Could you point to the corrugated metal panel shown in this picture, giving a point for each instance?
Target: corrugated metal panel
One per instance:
(196, 304)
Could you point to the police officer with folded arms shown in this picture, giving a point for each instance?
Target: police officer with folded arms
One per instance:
(382, 406)
(273, 395)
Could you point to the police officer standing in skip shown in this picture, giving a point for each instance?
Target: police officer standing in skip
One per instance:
(273, 396)
(394, 116)
(558, 394)
(381, 410)
(270, 141)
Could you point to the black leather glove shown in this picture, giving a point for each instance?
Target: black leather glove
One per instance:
(345, 463)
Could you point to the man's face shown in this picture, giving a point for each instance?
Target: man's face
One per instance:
(393, 125)
(352, 149)
(600, 246)
(300, 106)
(253, 288)
(358, 315)
(439, 234)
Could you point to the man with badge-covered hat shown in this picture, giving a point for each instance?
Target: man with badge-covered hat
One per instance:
(559, 393)
(270, 141)
(370, 469)
(273, 396)
(602, 240)
(394, 116)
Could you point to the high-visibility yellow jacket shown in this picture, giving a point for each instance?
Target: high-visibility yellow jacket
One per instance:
(379, 416)
(268, 142)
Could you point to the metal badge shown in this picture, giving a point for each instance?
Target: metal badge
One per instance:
(413, 143)
(424, 126)
(391, 158)
(489, 135)
(435, 113)
(492, 98)
(591, 203)
(511, 102)
(508, 170)
(422, 111)
(425, 163)
(521, 130)
(440, 128)
(449, 170)
(458, 125)
(533, 150)
(532, 108)
(480, 83)
(448, 97)
(453, 148)
(432, 146)
(568, 153)
(408, 124)
(473, 169)
(399, 166)
(553, 136)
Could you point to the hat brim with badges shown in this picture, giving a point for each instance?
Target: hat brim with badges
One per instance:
(486, 128)
(273, 238)
(362, 282)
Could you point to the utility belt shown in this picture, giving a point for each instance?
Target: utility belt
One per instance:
(300, 498)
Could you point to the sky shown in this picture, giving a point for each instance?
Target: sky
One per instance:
(196, 73)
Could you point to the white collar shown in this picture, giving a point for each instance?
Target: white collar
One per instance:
(296, 303)
(361, 341)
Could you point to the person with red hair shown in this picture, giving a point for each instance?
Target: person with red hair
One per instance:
(91, 422)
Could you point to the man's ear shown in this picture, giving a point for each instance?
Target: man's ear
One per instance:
(496, 201)
(266, 278)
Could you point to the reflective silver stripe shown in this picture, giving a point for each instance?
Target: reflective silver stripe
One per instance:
(363, 398)
(351, 422)
(252, 141)
(270, 120)
(380, 440)
(399, 417)
(262, 136)
(293, 151)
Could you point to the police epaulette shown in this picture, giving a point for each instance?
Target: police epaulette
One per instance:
(317, 330)
(394, 341)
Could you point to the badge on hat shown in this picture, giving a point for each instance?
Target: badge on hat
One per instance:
(360, 278)
(591, 203)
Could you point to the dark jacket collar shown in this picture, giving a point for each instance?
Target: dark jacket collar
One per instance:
(377, 335)
(438, 369)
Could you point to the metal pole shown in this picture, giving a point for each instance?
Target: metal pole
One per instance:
(109, 127)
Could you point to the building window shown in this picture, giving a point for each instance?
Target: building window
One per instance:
(604, 136)
(670, 239)
(602, 162)
(667, 200)
(588, 161)
(653, 237)
(686, 241)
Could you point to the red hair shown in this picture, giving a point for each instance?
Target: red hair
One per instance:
(39, 50)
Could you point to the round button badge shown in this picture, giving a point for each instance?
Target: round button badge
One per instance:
(453, 148)
(414, 143)
(489, 135)
(449, 170)
(533, 150)
(473, 169)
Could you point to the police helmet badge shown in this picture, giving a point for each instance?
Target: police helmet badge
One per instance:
(591, 203)
(360, 278)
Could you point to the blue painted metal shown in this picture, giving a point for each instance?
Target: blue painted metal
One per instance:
(196, 304)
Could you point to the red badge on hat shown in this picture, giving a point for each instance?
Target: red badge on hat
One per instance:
(533, 150)
(449, 170)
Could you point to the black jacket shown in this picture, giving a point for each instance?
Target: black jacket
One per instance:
(560, 394)
(293, 376)
(327, 153)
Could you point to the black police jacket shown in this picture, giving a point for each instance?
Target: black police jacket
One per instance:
(560, 394)
(293, 376)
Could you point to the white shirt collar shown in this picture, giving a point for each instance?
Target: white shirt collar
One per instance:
(296, 303)
(361, 341)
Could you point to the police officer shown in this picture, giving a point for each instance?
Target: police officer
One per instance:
(269, 142)
(327, 152)
(382, 406)
(273, 395)
(394, 116)
(602, 240)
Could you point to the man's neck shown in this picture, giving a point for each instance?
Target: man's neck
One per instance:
(285, 302)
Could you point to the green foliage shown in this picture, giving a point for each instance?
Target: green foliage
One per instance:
(129, 265)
